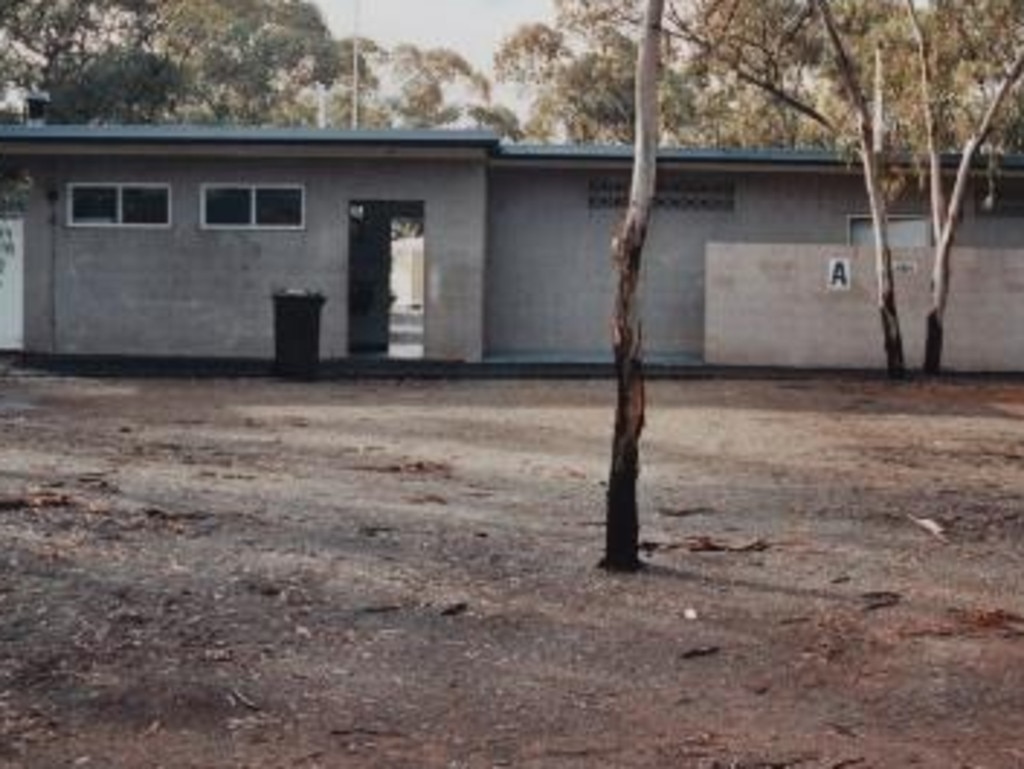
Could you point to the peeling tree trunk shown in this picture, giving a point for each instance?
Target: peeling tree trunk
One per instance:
(871, 162)
(885, 283)
(622, 520)
(936, 333)
(945, 220)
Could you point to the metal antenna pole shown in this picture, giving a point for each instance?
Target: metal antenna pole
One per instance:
(355, 65)
(879, 122)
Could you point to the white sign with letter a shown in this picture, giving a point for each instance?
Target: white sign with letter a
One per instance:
(840, 276)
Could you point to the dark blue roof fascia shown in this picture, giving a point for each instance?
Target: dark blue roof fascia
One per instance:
(218, 135)
(610, 152)
(768, 157)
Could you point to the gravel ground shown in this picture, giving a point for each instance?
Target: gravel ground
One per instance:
(398, 574)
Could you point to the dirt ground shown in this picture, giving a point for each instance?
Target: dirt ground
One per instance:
(402, 575)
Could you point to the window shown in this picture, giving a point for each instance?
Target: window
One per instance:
(145, 205)
(119, 205)
(904, 231)
(246, 207)
(228, 207)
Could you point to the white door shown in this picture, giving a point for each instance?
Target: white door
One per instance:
(12, 314)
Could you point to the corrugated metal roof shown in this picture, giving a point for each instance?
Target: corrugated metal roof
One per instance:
(240, 135)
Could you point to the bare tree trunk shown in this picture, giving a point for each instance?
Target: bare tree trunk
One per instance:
(871, 162)
(885, 284)
(936, 332)
(622, 521)
(947, 221)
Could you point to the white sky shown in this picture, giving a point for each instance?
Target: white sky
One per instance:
(474, 28)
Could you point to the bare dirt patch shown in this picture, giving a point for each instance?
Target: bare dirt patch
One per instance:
(256, 574)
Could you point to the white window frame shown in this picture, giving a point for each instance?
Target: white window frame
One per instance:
(253, 189)
(120, 187)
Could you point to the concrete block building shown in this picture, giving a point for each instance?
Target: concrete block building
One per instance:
(170, 241)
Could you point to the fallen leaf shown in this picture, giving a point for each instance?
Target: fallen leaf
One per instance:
(37, 501)
(218, 655)
(881, 599)
(700, 651)
(236, 696)
(684, 512)
(706, 544)
(419, 467)
(386, 608)
(428, 499)
(932, 527)
(455, 609)
(988, 619)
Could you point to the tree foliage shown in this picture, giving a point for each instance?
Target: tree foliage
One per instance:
(246, 61)
(229, 61)
(578, 75)
(426, 80)
(96, 57)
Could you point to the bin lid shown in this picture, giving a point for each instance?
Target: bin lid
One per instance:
(299, 293)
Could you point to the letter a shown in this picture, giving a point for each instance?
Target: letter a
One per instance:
(839, 275)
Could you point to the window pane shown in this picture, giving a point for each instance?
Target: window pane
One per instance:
(94, 205)
(145, 205)
(279, 207)
(229, 205)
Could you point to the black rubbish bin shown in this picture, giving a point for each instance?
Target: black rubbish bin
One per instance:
(297, 334)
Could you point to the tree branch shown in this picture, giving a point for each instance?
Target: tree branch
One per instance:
(684, 32)
(1010, 81)
(928, 107)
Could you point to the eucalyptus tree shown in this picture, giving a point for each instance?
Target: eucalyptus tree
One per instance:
(95, 57)
(622, 520)
(970, 61)
(362, 93)
(813, 62)
(243, 61)
(578, 74)
(433, 87)
(247, 61)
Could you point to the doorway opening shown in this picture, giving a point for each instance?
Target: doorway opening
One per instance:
(386, 308)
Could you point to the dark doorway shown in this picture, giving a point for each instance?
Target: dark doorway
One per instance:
(386, 278)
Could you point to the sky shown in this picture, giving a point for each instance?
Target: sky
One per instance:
(474, 28)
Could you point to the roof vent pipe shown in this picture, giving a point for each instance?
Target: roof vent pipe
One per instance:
(36, 104)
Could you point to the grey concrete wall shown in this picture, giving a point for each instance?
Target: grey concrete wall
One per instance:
(186, 291)
(770, 305)
(517, 263)
(549, 273)
(549, 280)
